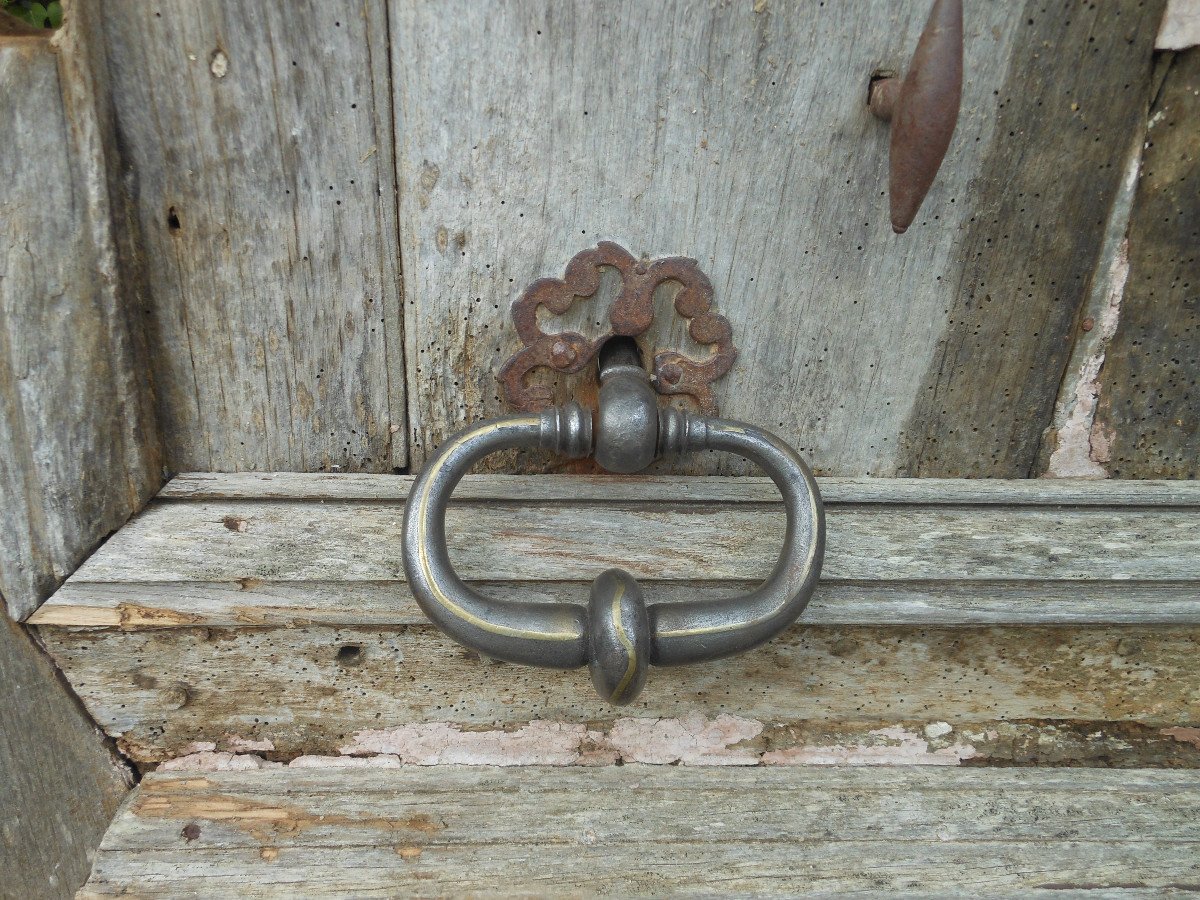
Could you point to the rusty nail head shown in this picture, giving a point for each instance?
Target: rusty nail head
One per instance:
(561, 354)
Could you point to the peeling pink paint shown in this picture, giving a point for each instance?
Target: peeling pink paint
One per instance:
(440, 743)
(897, 746)
(242, 745)
(1183, 733)
(1100, 440)
(693, 740)
(210, 761)
(1082, 446)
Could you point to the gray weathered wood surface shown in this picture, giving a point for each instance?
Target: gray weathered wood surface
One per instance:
(227, 609)
(78, 446)
(254, 549)
(59, 784)
(639, 831)
(1148, 420)
(739, 134)
(258, 151)
(687, 489)
(318, 689)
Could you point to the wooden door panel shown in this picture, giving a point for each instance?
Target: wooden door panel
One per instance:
(257, 148)
(1040, 620)
(738, 134)
(1148, 418)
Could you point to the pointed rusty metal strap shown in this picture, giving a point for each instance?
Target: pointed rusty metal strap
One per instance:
(923, 110)
(630, 315)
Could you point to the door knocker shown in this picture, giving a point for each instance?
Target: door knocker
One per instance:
(618, 634)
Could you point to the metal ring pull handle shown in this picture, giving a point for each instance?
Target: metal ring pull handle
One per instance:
(618, 634)
(923, 110)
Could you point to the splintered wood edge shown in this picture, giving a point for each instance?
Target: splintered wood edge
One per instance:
(685, 489)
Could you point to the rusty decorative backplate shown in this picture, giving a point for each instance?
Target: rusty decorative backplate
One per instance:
(629, 315)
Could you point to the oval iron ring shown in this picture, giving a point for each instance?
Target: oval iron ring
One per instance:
(618, 634)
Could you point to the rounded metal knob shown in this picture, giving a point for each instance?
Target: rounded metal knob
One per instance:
(619, 637)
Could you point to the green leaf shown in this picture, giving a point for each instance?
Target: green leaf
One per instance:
(54, 12)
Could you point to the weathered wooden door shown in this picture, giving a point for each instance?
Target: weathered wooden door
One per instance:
(293, 238)
(334, 206)
(339, 205)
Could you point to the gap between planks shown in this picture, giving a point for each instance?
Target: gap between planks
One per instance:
(686, 489)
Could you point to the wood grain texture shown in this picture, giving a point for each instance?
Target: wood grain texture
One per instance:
(313, 689)
(78, 447)
(728, 740)
(259, 155)
(60, 784)
(928, 551)
(358, 542)
(687, 489)
(250, 601)
(636, 831)
(1148, 419)
(1066, 449)
(739, 134)
(1041, 203)
(227, 609)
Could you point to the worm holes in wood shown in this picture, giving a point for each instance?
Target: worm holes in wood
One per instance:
(350, 655)
(173, 224)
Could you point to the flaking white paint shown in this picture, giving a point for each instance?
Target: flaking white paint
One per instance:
(440, 743)
(214, 761)
(692, 740)
(1180, 27)
(1082, 446)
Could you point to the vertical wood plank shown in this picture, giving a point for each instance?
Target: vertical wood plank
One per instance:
(1034, 244)
(258, 145)
(738, 134)
(78, 441)
(1148, 417)
(61, 785)
(78, 445)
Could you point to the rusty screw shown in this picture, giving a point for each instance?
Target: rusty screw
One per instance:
(670, 373)
(562, 354)
(923, 110)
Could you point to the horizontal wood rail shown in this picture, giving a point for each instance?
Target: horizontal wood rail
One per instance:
(956, 622)
(284, 549)
(640, 831)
